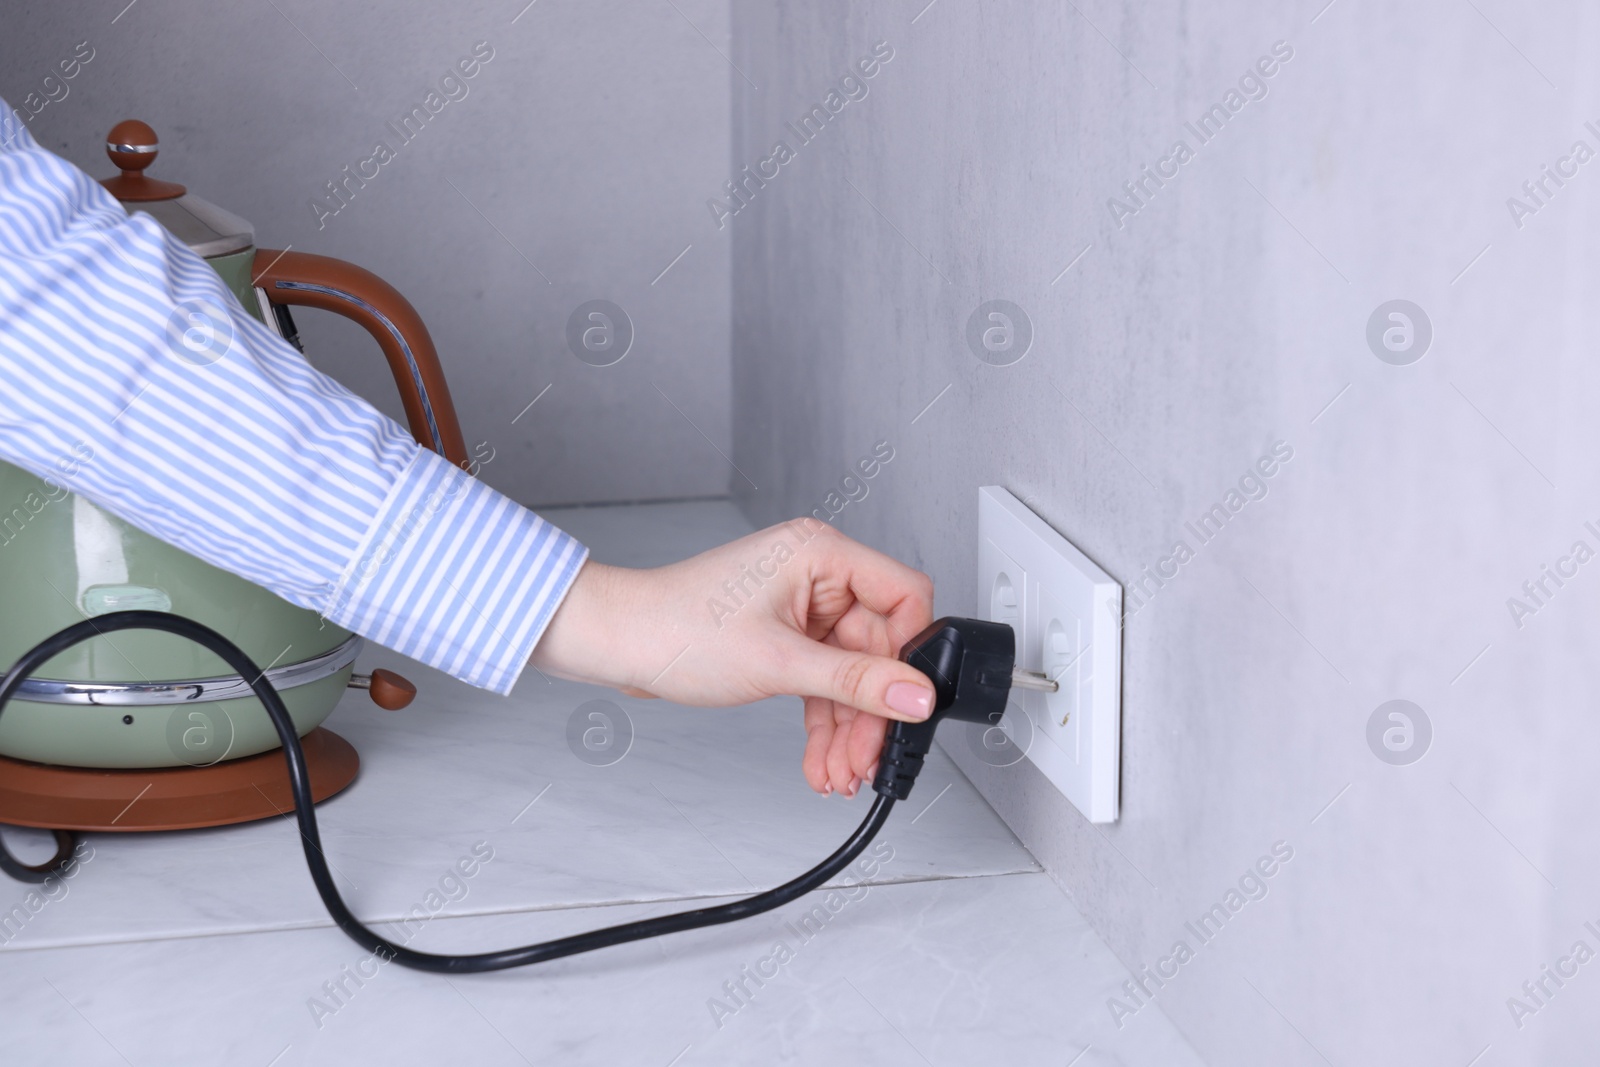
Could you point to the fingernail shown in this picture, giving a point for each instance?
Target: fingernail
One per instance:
(873, 773)
(855, 784)
(827, 790)
(909, 698)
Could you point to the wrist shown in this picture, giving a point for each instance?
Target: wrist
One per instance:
(580, 642)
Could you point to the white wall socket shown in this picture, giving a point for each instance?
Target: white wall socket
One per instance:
(1067, 613)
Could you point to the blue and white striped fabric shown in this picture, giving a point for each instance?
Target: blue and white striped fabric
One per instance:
(256, 462)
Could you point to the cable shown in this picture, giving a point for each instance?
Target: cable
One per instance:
(40, 873)
(311, 840)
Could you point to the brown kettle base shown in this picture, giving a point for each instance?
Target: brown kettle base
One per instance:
(170, 798)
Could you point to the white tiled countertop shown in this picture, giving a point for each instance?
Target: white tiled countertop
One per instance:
(212, 947)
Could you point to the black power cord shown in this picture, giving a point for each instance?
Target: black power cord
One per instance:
(970, 663)
(42, 872)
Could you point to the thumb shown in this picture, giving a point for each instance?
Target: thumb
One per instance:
(875, 684)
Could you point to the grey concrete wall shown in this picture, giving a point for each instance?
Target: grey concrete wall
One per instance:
(1223, 312)
(580, 158)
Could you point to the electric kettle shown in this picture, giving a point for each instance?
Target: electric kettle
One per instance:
(145, 699)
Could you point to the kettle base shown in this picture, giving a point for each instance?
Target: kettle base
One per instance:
(170, 798)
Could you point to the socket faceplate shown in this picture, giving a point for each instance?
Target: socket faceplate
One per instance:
(1068, 616)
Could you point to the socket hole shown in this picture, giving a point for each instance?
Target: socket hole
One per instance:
(1003, 605)
(1058, 650)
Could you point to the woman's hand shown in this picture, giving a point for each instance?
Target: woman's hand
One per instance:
(795, 609)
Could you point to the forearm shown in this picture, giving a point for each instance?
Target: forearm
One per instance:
(241, 453)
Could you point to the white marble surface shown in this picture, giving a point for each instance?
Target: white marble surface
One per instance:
(997, 969)
(206, 946)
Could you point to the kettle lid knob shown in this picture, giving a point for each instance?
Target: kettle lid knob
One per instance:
(132, 145)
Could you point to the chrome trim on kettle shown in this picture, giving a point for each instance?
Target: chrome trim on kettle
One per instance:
(411, 361)
(195, 691)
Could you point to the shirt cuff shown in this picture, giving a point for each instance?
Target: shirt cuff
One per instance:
(456, 575)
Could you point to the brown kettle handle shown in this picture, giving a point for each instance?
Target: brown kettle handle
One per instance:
(307, 280)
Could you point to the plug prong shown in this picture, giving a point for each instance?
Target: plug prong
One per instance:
(1039, 683)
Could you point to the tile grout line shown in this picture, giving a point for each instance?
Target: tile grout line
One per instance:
(326, 924)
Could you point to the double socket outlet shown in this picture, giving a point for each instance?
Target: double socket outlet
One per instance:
(1067, 614)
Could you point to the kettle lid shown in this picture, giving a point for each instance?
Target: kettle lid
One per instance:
(206, 228)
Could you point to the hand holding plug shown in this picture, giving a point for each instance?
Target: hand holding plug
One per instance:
(796, 609)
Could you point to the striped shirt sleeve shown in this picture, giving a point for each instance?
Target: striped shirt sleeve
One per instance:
(250, 459)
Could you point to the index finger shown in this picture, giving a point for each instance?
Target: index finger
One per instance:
(902, 595)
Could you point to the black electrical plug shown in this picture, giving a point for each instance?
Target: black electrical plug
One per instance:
(972, 665)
